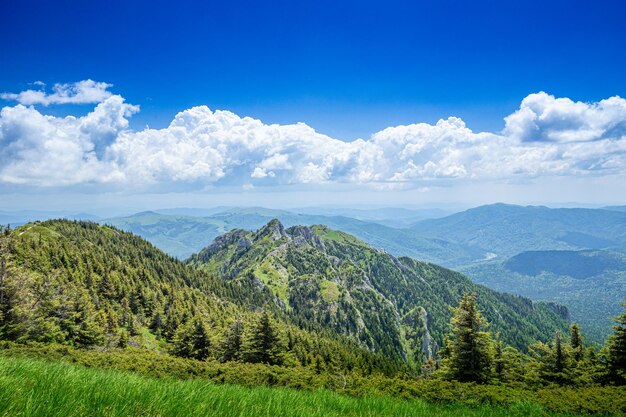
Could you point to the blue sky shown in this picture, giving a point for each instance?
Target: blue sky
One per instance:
(346, 69)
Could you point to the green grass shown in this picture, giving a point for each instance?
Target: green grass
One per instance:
(330, 291)
(277, 282)
(30, 387)
(337, 236)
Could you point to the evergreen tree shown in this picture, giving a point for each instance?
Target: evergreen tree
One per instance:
(232, 341)
(123, 341)
(264, 344)
(498, 359)
(616, 360)
(559, 355)
(469, 346)
(552, 363)
(576, 343)
(192, 340)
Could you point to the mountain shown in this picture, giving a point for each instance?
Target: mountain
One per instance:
(569, 256)
(476, 242)
(591, 283)
(335, 299)
(18, 218)
(85, 285)
(387, 216)
(182, 235)
(616, 208)
(502, 230)
(455, 241)
(397, 306)
(178, 235)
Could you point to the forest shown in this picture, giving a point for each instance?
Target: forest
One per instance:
(266, 308)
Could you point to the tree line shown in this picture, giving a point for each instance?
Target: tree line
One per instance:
(473, 354)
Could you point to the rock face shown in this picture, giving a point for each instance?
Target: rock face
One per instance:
(244, 243)
(304, 235)
(330, 280)
(429, 346)
(274, 230)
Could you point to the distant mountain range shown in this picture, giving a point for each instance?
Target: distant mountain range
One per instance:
(570, 256)
(616, 208)
(505, 230)
(18, 218)
(182, 235)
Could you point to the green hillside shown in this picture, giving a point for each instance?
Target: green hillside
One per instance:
(304, 307)
(472, 242)
(577, 264)
(177, 235)
(506, 230)
(85, 285)
(591, 283)
(399, 306)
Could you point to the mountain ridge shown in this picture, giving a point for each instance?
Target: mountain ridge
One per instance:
(344, 278)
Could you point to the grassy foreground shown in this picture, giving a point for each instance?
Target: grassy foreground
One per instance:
(30, 387)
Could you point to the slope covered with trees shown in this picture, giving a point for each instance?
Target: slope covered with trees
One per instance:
(591, 283)
(325, 279)
(329, 299)
(81, 284)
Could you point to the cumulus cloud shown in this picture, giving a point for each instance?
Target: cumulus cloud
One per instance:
(201, 148)
(82, 92)
(542, 117)
(53, 151)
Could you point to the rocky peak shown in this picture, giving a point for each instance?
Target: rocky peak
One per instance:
(274, 229)
(220, 243)
(303, 235)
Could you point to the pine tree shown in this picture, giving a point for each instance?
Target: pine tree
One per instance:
(264, 344)
(552, 363)
(576, 343)
(192, 340)
(470, 346)
(559, 354)
(231, 344)
(616, 360)
(499, 361)
(123, 340)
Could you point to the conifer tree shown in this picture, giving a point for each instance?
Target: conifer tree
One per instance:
(231, 344)
(559, 355)
(552, 363)
(192, 340)
(264, 344)
(123, 340)
(576, 343)
(616, 360)
(470, 346)
(499, 360)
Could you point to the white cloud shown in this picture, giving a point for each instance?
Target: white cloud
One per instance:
(203, 148)
(82, 92)
(50, 151)
(542, 117)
